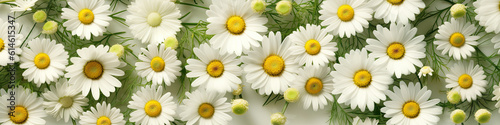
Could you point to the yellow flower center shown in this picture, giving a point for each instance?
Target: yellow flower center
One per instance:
(42, 60)
(345, 13)
(103, 120)
(152, 108)
(93, 70)
(154, 19)
(206, 110)
(235, 25)
(66, 101)
(457, 39)
(362, 78)
(314, 85)
(2, 44)
(465, 81)
(86, 16)
(215, 68)
(411, 109)
(20, 115)
(274, 65)
(312, 47)
(396, 50)
(395, 2)
(157, 64)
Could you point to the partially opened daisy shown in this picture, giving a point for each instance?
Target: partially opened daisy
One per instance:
(488, 14)
(159, 64)
(215, 71)
(102, 114)
(152, 107)
(63, 102)
(272, 67)
(22, 5)
(468, 79)
(152, 21)
(44, 61)
(205, 108)
(397, 48)
(397, 11)
(312, 46)
(410, 104)
(28, 109)
(86, 18)
(314, 85)
(456, 39)
(235, 26)
(359, 81)
(94, 70)
(5, 57)
(345, 17)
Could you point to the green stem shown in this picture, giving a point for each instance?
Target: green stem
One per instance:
(284, 108)
(491, 62)
(194, 5)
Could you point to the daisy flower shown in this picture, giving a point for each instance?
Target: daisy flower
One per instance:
(44, 61)
(94, 70)
(359, 81)
(397, 11)
(496, 92)
(28, 109)
(270, 68)
(488, 14)
(4, 44)
(205, 108)
(398, 48)
(152, 107)
(368, 121)
(102, 114)
(456, 38)
(215, 71)
(22, 5)
(410, 105)
(345, 17)
(467, 79)
(312, 46)
(158, 64)
(63, 101)
(86, 17)
(314, 85)
(235, 26)
(152, 21)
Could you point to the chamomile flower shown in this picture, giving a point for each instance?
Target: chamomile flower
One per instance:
(235, 26)
(398, 11)
(86, 18)
(205, 108)
(44, 61)
(22, 5)
(488, 14)
(359, 81)
(63, 102)
(270, 68)
(159, 65)
(397, 48)
(345, 17)
(314, 85)
(410, 104)
(496, 92)
(456, 39)
(5, 57)
(102, 114)
(94, 70)
(152, 107)
(28, 109)
(368, 121)
(467, 79)
(312, 46)
(152, 21)
(215, 71)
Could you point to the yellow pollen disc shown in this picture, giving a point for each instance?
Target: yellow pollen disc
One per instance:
(103, 120)
(362, 78)
(152, 108)
(215, 68)
(1, 44)
(396, 50)
(206, 110)
(314, 85)
(157, 64)
(154, 19)
(465, 81)
(411, 109)
(274, 65)
(20, 115)
(345, 13)
(93, 70)
(235, 25)
(395, 2)
(312, 47)
(86, 16)
(457, 39)
(42, 61)
(66, 101)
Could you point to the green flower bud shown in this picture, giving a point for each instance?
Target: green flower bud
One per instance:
(483, 116)
(171, 42)
(284, 7)
(457, 116)
(49, 27)
(454, 97)
(258, 6)
(458, 10)
(278, 119)
(291, 95)
(39, 16)
(118, 49)
(240, 106)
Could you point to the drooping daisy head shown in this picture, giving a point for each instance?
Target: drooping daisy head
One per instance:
(152, 106)
(63, 102)
(397, 11)
(488, 14)
(345, 17)
(215, 71)
(411, 104)
(456, 39)
(86, 18)
(24, 107)
(368, 121)
(205, 108)
(159, 64)
(467, 79)
(359, 81)
(314, 85)
(152, 21)
(397, 48)
(312, 46)
(235, 26)
(5, 57)
(102, 114)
